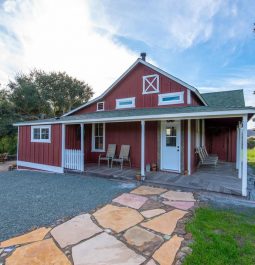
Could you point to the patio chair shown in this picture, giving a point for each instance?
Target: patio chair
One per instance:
(206, 161)
(123, 156)
(111, 149)
(208, 155)
(3, 157)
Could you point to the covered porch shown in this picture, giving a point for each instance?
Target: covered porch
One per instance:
(226, 136)
(223, 178)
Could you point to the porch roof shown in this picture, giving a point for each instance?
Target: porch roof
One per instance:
(188, 112)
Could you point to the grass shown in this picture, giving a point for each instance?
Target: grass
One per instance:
(222, 237)
(251, 157)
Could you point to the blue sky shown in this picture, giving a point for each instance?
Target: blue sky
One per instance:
(207, 43)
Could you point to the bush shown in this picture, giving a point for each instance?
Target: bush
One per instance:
(251, 143)
(8, 144)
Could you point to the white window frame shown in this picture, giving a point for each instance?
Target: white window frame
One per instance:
(156, 89)
(179, 101)
(40, 140)
(119, 100)
(93, 138)
(101, 102)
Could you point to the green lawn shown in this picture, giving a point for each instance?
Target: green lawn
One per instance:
(251, 157)
(222, 237)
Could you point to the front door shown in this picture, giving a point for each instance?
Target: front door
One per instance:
(170, 145)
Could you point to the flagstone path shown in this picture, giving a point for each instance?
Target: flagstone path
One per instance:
(145, 226)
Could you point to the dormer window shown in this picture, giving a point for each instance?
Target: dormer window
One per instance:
(125, 103)
(170, 98)
(150, 84)
(100, 106)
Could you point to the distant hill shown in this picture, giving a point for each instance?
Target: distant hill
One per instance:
(250, 133)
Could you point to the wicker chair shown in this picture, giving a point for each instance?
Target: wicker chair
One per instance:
(124, 156)
(111, 149)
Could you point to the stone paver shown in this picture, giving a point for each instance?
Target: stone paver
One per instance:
(33, 236)
(75, 230)
(151, 204)
(178, 196)
(180, 205)
(152, 213)
(165, 255)
(117, 218)
(147, 190)
(166, 222)
(131, 200)
(143, 240)
(104, 249)
(38, 253)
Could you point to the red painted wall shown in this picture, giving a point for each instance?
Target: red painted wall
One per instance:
(132, 86)
(221, 138)
(41, 153)
(119, 133)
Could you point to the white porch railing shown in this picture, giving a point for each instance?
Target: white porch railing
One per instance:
(73, 159)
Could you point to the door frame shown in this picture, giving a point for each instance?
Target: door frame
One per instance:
(161, 146)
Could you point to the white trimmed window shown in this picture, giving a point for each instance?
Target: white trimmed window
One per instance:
(125, 103)
(100, 106)
(98, 137)
(170, 98)
(150, 84)
(41, 134)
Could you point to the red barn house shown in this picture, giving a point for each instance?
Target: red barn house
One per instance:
(163, 120)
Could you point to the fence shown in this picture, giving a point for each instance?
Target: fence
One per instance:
(74, 159)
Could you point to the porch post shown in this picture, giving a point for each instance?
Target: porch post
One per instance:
(63, 146)
(244, 168)
(82, 147)
(189, 147)
(237, 146)
(240, 148)
(203, 132)
(142, 148)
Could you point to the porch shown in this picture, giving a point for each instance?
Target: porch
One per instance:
(223, 178)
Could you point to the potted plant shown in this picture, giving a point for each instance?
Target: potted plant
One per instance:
(154, 166)
(138, 176)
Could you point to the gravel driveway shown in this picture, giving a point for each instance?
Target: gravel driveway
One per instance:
(29, 199)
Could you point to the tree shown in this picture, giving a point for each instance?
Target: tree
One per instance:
(39, 94)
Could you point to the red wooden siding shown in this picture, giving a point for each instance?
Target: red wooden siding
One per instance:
(119, 133)
(221, 138)
(41, 153)
(132, 86)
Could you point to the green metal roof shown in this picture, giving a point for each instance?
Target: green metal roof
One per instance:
(230, 99)
(142, 113)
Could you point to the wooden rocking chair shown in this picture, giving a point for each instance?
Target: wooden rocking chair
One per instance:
(206, 160)
(123, 156)
(111, 149)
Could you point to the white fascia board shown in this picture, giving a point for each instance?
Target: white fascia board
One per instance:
(177, 116)
(155, 68)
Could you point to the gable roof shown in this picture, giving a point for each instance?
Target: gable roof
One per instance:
(125, 74)
(228, 99)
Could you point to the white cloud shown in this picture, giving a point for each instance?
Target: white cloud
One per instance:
(58, 35)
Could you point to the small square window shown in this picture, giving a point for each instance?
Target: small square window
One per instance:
(41, 134)
(100, 106)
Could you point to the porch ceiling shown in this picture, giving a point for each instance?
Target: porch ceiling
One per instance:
(188, 112)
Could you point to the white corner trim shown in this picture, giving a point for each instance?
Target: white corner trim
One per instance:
(123, 100)
(188, 97)
(171, 102)
(40, 140)
(40, 166)
(189, 147)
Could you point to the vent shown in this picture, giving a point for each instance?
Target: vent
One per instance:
(100, 106)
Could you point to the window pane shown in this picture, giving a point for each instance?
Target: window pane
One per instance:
(171, 141)
(98, 143)
(36, 133)
(100, 130)
(45, 133)
(124, 103)
(170, 98)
